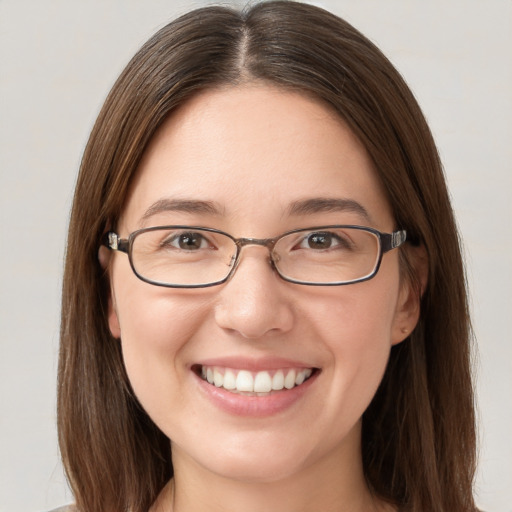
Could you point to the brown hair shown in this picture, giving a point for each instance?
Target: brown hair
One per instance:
(418, 432)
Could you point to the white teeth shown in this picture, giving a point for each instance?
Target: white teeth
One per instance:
(289, 381)
(244, 381)
(229, 380)
(301, 376)
(218, 378)
(260, 383)
(278, 380)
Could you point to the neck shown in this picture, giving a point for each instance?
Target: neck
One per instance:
(332, 484)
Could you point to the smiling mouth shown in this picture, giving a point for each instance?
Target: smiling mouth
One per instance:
(261, 383)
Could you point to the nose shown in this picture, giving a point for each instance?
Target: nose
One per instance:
(255, 302)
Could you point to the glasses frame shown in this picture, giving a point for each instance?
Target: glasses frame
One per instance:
(387, 242)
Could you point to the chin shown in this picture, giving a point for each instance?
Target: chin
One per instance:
(260, 457)
(262, 470)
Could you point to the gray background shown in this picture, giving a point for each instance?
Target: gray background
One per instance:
(58, 59)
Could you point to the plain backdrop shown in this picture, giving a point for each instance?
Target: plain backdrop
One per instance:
(59, 58)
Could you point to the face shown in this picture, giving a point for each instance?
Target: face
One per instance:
(238, 160)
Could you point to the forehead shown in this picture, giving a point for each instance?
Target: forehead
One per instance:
(252, 152)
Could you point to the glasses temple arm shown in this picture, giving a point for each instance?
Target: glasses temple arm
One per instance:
(393, 240)
(113, 242)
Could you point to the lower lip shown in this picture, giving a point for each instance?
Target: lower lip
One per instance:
(255, 406)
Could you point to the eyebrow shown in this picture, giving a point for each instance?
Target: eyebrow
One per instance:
(180, 205)
(297, 208)
(327, 204)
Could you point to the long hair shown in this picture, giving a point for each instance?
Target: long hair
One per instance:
(418, 442)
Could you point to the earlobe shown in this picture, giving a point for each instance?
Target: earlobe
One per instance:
(104, 257)
(113, 319)
(409, 301)
(407, 313)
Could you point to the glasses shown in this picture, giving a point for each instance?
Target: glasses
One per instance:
(197, 257)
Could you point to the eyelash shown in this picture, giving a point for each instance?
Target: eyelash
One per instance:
(177, 237)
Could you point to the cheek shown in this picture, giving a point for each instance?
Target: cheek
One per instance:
(357, 317)
(359, 340)
(156, 328)
(356, 325)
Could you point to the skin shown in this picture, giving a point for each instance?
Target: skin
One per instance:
(283, 147)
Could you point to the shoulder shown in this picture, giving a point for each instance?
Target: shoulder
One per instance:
(65, 508)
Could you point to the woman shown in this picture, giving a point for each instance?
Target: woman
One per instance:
(288, 329)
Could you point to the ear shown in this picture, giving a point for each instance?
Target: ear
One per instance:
(413, 285)
(104, 256)
(113, 319)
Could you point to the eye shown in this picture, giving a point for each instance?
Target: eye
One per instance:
(188, 241)
(323, 240)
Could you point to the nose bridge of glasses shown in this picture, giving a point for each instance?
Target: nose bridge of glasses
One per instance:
(269, 243)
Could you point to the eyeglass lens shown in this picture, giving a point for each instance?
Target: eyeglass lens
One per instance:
(194, 257)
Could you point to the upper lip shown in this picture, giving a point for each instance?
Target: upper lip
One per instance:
(254, 364)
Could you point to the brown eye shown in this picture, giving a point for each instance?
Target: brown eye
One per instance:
(325, 241)
(320, 240)
(187, 241)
